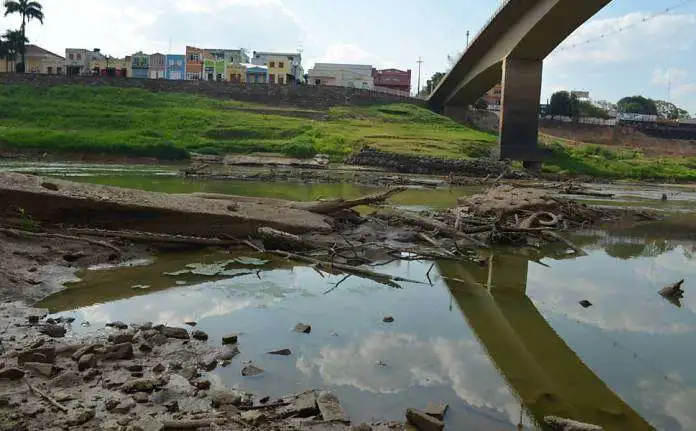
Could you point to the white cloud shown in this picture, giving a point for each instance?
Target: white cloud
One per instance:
(669, 76)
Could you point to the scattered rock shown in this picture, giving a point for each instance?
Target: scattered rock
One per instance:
(32, 409)
(388, 319)
(304, 405)
(159, 368)
(251, 370)
(79, 417)
(585, 303)
(173, 332)
(673, 291)
(191, 323)
(117, 325)
(33, 319)
(281, 352)
(54, 331)
(202, 384)
(140, 385)
(111, 404)
(137, 374)
(199, 335)
(90, 374)
(141, 397)
(227, 353)
(67, 379)
(42, 354)
(157, 340)
(303, 328)
(134, 368)
(125, 405)
(254, 417)
(11, 374)
(85, 350)
(144, 347)
(208, 362)
(87, 361)
(38, 343)
(229, 339)
(423, 422)
(223, 397)
(436, 410)
(121, 337)
(330, 408)
(119, 351)
(189, 373)
(561, 424)
(41, 369)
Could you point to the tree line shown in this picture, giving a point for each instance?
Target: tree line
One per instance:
(567, 104)
(13, 43)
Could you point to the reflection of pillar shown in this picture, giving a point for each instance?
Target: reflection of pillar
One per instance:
(519, 113)
(508, 272)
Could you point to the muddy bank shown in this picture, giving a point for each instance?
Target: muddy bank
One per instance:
(141, 376)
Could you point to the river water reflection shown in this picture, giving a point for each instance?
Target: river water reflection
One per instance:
(502, 344)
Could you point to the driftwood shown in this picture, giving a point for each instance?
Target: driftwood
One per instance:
(19, 233)
(45, 396)
(556, 237)
(430, 224)
(361, 272)
(673, 291)
(150, 237)
(273, 238)
(562, 424)
(435, 244)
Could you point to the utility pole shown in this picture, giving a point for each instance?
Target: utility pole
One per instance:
(420, 63)
(467, 38)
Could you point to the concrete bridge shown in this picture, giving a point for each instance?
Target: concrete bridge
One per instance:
(547, 376)
(511, 49)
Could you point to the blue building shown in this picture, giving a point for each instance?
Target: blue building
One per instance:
(175, 67)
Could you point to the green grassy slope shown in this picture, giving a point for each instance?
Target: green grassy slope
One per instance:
(168, 125)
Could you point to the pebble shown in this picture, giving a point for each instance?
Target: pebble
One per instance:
(199, 335)
(159, 368)
(79, 417)
(303, 328)
(388, 319)
(121, 337)
(125, 405)
(41, 354)
(254, 417)
(585, 303)
(141, 397)
(202, 384)
(222, 397)
(281, 352)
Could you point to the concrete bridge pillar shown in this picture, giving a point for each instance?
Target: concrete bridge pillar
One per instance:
(519, 114)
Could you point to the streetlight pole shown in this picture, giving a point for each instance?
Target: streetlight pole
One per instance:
(467, 38)
(420, 63)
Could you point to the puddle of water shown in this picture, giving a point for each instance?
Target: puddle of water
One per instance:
(510, 340)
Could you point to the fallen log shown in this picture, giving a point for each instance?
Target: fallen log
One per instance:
(563, 424)
(19, 233)
(416, 220)
(361, 272)
(150, 237)
(45, 396)
(273, 238)
(435, 244)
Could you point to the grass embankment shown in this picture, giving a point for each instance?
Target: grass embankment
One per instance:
(138, 123)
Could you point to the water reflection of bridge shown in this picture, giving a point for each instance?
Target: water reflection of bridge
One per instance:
(548, 377)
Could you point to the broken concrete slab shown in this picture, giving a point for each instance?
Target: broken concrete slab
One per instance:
(423, 421)
(330, 408)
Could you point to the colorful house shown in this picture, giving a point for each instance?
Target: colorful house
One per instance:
(283, 68)
(175, 67)
(77, 60)
(110, 66)
(256, 74)
(156, 66)
(214, 70)
(38, 60)
(236, 73)
(140, 64)
(194, 63)
(393, 79)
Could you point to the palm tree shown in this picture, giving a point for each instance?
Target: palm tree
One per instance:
(11, 44)
(28, 10)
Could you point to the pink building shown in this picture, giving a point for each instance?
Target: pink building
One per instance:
(394, 79)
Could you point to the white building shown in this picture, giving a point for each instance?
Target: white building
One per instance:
(342, 75)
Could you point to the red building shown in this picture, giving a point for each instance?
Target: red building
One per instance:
(394, 79)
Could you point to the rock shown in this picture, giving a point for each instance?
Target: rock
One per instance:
(90, 374)
(585, 303)
(87, 361)
(223, 397)
(199, 335)
(111, 404)
(11, 374)
(42, 354)
(423, 422)
(179, 384)
(137, 374)
(67, 379)
(302, 328)
(159, 368)
(32, 409)
(194, 405)
(251, 370)
(561, 424)
(119, 351)
(172, 332)
(281, 352)
(62, 396)
(208, 362)
(85, 350)
(189, 373)
(202, 384)
(304, 405)
(229, 339)
(362, 427)
(41, 369)
(33, 319)
(141, 397)
(254, 417)
(38, 343)
(330, 408)
(388, 319)
(79, 417)
(227, 353)
(157, 340)
(191, 323)
(125, 405)
(144, 347)
(121, 337)
(436, 410)
(140, 385)
(117, 325)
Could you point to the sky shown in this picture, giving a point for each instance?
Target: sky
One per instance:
(655, 58)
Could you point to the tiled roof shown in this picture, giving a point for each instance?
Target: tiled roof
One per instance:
(36, 51)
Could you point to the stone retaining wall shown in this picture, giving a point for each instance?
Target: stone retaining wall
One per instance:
(429, 165)
(302, 96)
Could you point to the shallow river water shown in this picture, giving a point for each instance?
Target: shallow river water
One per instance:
(503, 345)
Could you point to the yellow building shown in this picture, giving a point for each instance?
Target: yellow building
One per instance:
(282, 67)
(38, 60)
(236, 73)
(97, 65)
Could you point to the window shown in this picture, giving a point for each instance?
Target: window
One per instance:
(59, 71)
(70, 56)
(219, 76)
(317, 82)
(271, 78)
(271, 64)
(79, 57)
(192, 76)
(281, 64)
(196, 56)
(281, 80)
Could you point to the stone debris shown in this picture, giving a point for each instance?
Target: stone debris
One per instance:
(11, 374)
(173, 332)
(388, 319)
(301, 405)
(117, 325)
(436, 410)
(118, 351)
(561, 424)
(121, 337)
(199, 335)
(281, 352)
(254, 417)
(423, 422)
(53, 330)
(330, 408)
(41, 354)
(585, 303)
(41, 369)
(229, 339)
(303, 328)
(251, 370)
(86, 361)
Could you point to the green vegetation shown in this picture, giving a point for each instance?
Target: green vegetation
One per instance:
(599, 161)
(133, 122)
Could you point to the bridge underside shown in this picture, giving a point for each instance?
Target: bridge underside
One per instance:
(511, 51)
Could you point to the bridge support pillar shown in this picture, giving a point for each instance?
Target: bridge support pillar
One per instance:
(519, 114)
